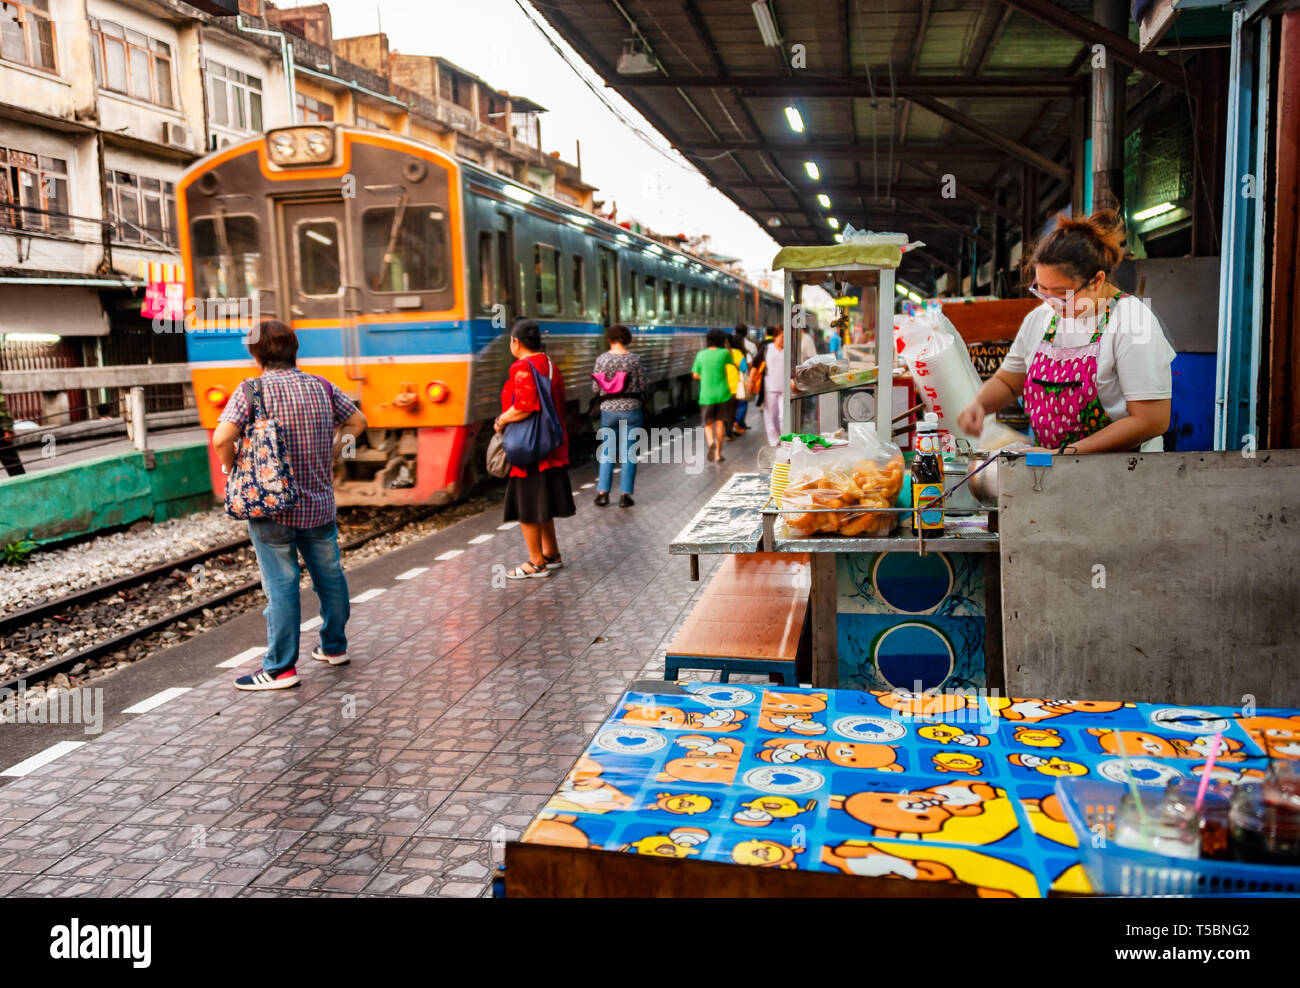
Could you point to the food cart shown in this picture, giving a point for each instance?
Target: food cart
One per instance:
(889, 612)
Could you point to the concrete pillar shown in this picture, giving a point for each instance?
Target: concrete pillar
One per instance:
(1108, 82)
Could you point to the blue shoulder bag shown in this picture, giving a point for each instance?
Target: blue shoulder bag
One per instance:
(529, 441)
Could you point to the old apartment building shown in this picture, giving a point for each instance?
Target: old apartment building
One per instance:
(104, 103)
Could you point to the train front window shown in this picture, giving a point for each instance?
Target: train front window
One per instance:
(227, 257)
(405, 248)
(318, 257)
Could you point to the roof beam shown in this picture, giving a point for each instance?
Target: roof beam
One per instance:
(967, 192)
(847, 152)
(1014, 148)
(1117, 46)
(1031, 86)
(934, 259)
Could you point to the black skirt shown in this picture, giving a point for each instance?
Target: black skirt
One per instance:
(541, 496)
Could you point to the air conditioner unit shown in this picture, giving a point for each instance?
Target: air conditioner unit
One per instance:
(177, 135)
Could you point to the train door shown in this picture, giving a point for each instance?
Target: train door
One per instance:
(314, 258)
(608, 275)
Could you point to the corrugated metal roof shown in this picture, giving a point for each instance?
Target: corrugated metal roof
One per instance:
(894, 66)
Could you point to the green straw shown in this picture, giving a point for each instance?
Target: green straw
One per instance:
(1132, 780)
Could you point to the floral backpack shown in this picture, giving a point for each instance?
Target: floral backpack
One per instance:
(261, 483)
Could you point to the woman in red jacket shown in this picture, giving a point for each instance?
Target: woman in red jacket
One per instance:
(535, 495)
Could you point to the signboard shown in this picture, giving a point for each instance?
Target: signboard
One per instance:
(988, 357)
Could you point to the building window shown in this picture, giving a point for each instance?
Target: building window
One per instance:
(406, 253)
(142, 209)
(313, 111)
(27, 33)
(234, 273)
(128, 62)
(369, 124)
(40, 184)
(235, 98)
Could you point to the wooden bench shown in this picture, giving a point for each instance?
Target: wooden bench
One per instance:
(749, 619)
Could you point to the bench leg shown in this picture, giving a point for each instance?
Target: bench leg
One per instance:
(671, 668)
(724, 676)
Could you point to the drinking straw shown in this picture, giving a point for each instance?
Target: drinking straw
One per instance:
(1209, 767)
(1132, 779)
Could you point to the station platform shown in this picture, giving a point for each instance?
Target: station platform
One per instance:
(402, 774)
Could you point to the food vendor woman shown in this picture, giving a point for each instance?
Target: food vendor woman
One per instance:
(1091, 362)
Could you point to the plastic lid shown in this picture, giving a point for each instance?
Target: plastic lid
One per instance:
(929, 424)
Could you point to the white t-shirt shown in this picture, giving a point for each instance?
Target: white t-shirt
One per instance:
(774, 376)
(1134, 362)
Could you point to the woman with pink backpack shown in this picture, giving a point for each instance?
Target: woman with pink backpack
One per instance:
(618, 382)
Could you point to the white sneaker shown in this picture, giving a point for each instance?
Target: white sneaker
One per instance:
(335, 660)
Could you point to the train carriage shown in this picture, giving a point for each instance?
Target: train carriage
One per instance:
(402, 268)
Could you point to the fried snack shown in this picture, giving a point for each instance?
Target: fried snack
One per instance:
(856, 489)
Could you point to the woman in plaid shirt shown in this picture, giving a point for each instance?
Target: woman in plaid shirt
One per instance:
(309, 410)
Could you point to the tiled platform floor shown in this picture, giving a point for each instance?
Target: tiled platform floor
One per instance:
(400, 774)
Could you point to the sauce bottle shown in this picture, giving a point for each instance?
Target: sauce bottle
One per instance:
(927, 476)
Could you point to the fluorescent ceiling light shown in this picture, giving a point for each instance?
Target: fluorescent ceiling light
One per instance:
(832, 222)
(901, 289)
(824, 199)
(915, 297)
(813, 171)
(766, 25)
(839, 238)
(33, 337)
(654, 249)
(517, 194)
(794, 119)
(580, 220)
(320, 238)
(1154, 211)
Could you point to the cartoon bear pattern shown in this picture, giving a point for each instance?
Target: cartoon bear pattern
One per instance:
(945, 788)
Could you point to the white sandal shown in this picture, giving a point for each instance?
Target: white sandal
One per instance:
(520, 573)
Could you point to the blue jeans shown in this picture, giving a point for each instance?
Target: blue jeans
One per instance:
(278, 547)
(617, 436)
(742, 408)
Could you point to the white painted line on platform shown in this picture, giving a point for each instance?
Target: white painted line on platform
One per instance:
(29, 765)
(242, 657)
(449, 554)
(411, 574)
(361, 598)
(480, 539)
(157, 700)
(585, 486)
(315, 622)
(507, 526)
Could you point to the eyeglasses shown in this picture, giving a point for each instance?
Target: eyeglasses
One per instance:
(1054, 294)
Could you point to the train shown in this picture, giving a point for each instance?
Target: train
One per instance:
(402, 268)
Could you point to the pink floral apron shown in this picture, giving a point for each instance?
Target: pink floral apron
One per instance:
(1061, 389)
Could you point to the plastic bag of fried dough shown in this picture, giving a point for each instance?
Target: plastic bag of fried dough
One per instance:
(840, 491)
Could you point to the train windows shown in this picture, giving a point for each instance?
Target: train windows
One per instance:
(681, 300)
(234, 273)
(635, 294)
(545, 267)
(649, 296)
(579, 285)
(317, 244)
(668, 299)
(405, 248)
(486, 272)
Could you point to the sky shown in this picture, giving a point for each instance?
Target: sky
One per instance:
(495, 40)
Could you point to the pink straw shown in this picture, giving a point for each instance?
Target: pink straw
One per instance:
(1209, 767)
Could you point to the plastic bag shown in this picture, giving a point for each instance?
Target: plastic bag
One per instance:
(814, 374)
(941, 367)
(832, 491)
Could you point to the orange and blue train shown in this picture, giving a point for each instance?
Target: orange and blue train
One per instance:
(402, 268)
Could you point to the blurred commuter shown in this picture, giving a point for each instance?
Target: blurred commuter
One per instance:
(747, 364)
(9, 457)
(618, 382)
(539, 493)
(309, 410)
(710, 369)
(774, 387)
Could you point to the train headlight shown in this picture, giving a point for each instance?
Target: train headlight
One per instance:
(216, 396)
(437, 392)
(300, 145)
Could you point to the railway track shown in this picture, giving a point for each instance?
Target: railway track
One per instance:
(53, 609)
